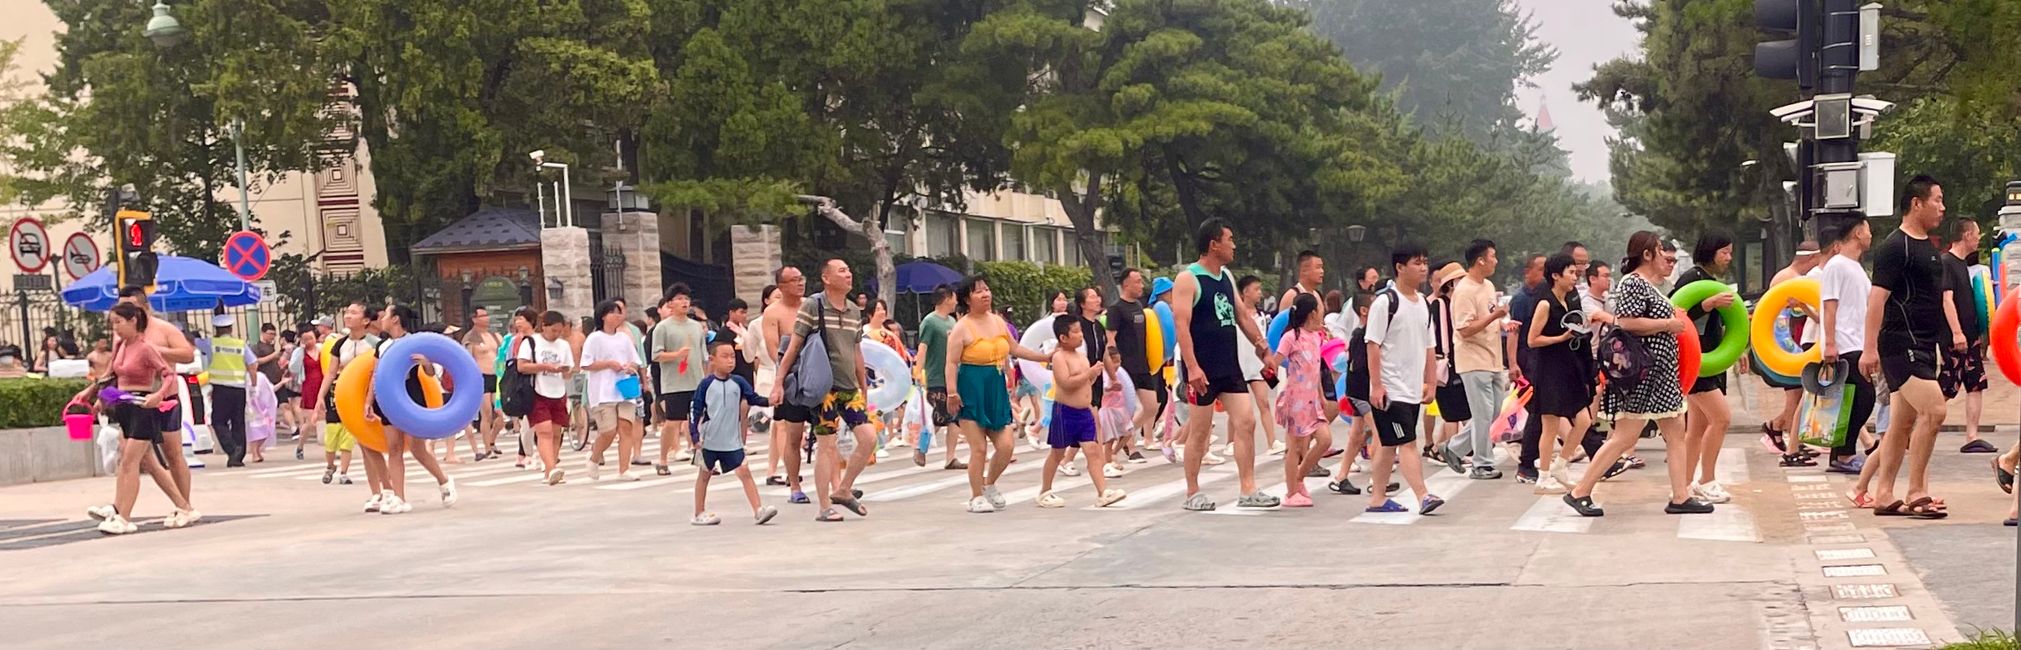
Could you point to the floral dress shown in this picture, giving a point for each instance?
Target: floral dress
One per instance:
(1298, 409)
(1658, 395)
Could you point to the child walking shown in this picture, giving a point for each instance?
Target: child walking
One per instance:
(1073, 421)
(1119, 409)
(722, 404)
(1298, 408)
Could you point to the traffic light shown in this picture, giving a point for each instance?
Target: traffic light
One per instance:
(135, 237)
(1793, 58)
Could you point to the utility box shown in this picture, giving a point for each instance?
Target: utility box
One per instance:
(1877, 183)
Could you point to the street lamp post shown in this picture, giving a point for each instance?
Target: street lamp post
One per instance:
(167, 32)
(567, 211)
(164, 29)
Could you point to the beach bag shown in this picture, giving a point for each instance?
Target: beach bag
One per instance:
(812, 377)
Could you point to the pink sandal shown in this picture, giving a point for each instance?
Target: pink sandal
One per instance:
(1860, 499)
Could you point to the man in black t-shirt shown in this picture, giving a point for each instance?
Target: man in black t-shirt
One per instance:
(1905, 325)
(1126, 333)
(1964, 369)
(1707, 414)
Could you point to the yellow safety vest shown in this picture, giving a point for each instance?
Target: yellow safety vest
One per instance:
(228, 361)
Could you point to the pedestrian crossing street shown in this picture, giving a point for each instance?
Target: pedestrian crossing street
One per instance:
(1154, 486)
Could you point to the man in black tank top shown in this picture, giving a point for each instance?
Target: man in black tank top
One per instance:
(1208, 314)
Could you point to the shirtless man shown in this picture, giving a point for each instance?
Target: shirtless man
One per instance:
(1073, 417)
(483, 345)
(789, 422)
(175, 349)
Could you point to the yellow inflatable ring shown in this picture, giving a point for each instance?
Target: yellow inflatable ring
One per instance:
(350, 399)
(1761, 326)
(329, 349)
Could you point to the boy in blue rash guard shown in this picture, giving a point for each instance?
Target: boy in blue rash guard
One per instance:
(722, 404)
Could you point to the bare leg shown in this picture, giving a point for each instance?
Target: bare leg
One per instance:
(1006, 444)
(1712, 435)
(866, 447)
(126, 488)
(1052, 464)
(1097, 457)
(1259, 392)
(750, 487)
(1675, 445)
(826, 459)
(1379, 476)
(702, 491)
(1975, 402)
(154, 469)
(1620, 439)
(978, 455)
(1242, 430)
(547, 440)
(428, 462)
(1928, 402)
(396, 462)
(629, 438)
(1195, 434)
(787, 438)
(1886, 462)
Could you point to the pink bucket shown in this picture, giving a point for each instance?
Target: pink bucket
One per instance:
(79, 425)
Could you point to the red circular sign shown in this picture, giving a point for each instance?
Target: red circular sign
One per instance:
(28, 244)
(246, 255)
(80, 255)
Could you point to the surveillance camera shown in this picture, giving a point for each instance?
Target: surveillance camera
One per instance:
(1872, 106)
(1789, 112)
(538, 156)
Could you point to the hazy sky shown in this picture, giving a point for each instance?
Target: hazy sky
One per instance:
(1586, 33)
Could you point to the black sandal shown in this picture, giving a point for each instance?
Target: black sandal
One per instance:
(775, 479)
(2003, 477)
(1891, 510)
(1797, 460)
(1584, 506)
(1343, 486)
(1926, 508)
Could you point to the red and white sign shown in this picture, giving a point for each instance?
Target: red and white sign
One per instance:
(80, 255)
(28, 243)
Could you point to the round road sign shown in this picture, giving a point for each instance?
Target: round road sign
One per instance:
(80, 255)
(28, 244)
(247, 256)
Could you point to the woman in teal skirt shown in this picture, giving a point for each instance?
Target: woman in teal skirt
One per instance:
(981, 397)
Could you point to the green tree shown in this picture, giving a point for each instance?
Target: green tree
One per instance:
(119, 109)
(1454, 66)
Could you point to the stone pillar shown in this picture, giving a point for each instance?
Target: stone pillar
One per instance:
(754, 253)
(564, 258)
(636, 234)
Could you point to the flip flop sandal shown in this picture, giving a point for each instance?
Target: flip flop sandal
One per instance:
(1860, 500)
(1927, 508)
(852, 504)
(1891, 510)
(828, 515)
(2003, 477)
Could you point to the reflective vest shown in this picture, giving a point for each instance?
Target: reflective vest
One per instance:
(228, 361)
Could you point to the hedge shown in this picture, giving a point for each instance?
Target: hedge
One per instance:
(32, 402)
(1022, 286)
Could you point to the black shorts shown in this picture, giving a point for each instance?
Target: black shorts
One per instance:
(1154, 382)
(722, 462)
(1452, 400)
(1216, 387)
(1709, 384)
(674, 407)
(1328, 384)
(1963, 372)
(937, 398)
(1396, 425)
(1898, 368)
(490, 384)
(792, 413)
(136, 423)
(198, 414)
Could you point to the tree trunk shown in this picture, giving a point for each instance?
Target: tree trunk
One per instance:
(1081, 211)
(871, 229)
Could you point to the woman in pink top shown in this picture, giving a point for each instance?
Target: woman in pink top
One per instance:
(139, 370)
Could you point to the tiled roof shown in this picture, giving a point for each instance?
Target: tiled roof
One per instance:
(491, 228)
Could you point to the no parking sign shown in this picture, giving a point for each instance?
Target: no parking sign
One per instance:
(247, 256)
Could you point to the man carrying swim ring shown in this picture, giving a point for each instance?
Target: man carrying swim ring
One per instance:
(395, 322)
(840, 322)
(981, 398)
(1207, 340)
(1126, 326)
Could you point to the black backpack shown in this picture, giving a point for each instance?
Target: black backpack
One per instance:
(515, 388)
(1623, 357)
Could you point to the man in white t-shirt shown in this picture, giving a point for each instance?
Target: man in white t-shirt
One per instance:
(609, 355)
(1843, 288)
(1399, 340)
(550, 361)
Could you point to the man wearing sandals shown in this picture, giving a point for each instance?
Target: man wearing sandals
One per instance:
(1905, 326)
(842, 321)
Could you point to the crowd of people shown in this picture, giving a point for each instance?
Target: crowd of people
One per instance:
(1418, 368)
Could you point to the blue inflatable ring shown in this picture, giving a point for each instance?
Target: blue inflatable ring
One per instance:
(389, 386)
(1275, 332)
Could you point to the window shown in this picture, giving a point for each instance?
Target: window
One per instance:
(941, 237)
(1013, 242)
(981, 240)
(1073, 256)
(1045, 245)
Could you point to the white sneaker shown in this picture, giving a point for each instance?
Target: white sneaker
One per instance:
(765, 514)
(1357, 468)
(101, 513)
(628, 477)
(705, 519)
(683, 456)
(996, 499)
(394, 505)
(555, 477)
(1562, 470)
(1711, 493)
(1050, 500)
(882, 453)
(1277, 448)
(373, 504)
(448, 493)
(1069, 469)
(1110, 497)
(184, 518)
(594, 469)
(980, 505)
(116, 525)
(1211, 459)
(1112, 471)
(1549, 484)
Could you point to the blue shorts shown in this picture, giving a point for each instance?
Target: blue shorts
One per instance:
(722, 462)
(1071, 427)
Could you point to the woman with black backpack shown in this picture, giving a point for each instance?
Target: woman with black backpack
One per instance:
(1639, 358)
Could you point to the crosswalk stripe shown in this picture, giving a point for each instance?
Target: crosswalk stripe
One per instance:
(1732, 467)
(1277, 490)
(1550, 515)
(1177, 487)
(866, 478)
(930, 487)
(1727, 523)
(1446, 485)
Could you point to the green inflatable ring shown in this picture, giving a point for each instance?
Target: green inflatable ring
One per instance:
(1734, 344)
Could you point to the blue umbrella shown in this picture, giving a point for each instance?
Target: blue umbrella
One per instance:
(181, 284)
(924, 277)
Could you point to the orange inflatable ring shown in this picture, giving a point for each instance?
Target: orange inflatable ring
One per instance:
(349, 396)
(1689, 355)
(2000, 340)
